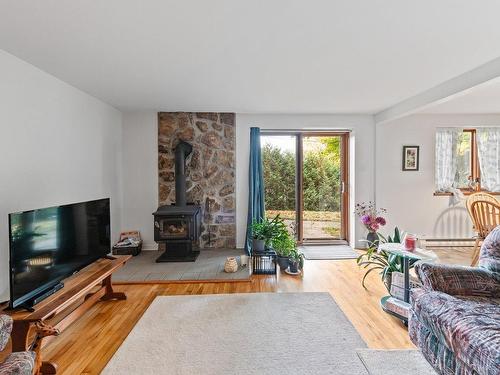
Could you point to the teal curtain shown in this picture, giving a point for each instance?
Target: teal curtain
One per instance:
(255, 186)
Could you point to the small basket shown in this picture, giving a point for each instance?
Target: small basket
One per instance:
(264, 262)
(128, 250)
(231, 266)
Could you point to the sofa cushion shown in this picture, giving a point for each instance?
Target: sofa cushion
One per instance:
(490, 251)
(18, 363)
(5, 330)
(469, 327)
(435, 352)
(459, 280)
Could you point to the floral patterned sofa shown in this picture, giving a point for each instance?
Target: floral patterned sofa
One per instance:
(455, 316)
(18, 363)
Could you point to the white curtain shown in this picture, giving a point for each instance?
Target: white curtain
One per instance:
(446, 162)
(488, 145)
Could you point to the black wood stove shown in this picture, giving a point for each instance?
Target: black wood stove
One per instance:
(177, 227)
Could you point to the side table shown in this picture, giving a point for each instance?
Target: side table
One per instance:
(389, 304)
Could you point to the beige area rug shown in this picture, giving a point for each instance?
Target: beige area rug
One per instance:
(261, 333)
(208, 266)
(395, 362)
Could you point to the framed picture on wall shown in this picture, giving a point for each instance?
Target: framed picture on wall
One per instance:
(410, 158)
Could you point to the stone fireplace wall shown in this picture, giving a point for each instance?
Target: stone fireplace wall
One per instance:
(210, 170)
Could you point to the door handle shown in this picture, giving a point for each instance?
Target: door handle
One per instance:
(342, 187)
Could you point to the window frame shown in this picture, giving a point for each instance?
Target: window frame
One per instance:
(475, 172)
(475, 169)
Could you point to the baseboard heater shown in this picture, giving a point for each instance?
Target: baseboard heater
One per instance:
(449, 242)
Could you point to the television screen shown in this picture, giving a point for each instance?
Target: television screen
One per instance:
(49, 244)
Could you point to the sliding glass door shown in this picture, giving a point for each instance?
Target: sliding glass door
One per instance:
(306, 179)
(322, 187)
(279, 158)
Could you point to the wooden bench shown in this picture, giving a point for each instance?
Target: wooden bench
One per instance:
(51, 316)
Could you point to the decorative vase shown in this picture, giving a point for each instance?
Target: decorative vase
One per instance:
(372, 238)
(258, 245)
(231, 265)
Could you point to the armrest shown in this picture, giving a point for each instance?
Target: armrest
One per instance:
(457, 280)
(5, 330)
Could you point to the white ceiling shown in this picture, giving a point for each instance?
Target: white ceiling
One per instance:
(483, 98)
(288, 56)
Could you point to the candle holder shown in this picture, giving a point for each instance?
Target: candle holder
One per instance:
(410, 242)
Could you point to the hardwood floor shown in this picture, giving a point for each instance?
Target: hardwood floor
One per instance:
(88, 344)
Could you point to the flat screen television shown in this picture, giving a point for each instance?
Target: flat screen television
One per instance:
(50, 244)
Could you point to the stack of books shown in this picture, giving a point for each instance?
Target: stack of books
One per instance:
(398, 284)
(397, 306)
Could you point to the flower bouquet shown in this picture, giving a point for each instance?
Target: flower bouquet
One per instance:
(371, 217)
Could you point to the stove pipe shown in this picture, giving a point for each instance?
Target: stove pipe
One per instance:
(182, 151)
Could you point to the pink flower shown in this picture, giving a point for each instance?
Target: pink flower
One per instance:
(374, 227)
(380, 220)
(366, 219)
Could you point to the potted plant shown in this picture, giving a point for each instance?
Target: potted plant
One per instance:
(371, 218)
(296, 259)
(264, 231)
(379, 260)
(284, 245)
(258, 236)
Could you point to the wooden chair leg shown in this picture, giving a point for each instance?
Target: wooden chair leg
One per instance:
(475, 254)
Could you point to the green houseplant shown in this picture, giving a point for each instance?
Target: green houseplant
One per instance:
(396, 238)
(258, 236)
(264, 231)
(283, 242)
(381, 261)
(284, 245)
(296, 261)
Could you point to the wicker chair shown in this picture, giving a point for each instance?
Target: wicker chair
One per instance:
(479, 196)
(18, 363)
(485, 216)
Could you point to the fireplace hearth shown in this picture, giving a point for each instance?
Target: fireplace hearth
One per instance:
(177, 227)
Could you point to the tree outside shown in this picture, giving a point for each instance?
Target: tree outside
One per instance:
(321, 180)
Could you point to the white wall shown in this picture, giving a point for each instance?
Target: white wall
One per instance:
(140, 190)
(408, 196)
(362, 158)
(58, 145)
(140, 174)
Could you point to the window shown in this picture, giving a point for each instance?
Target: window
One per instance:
(467, 160)
(467, 175)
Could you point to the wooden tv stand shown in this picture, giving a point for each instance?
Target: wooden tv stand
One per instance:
(57, 312)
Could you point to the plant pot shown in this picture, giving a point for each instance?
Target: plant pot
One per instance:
(293, 266)
(283, 262)
(258, 245)
(372, 238)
